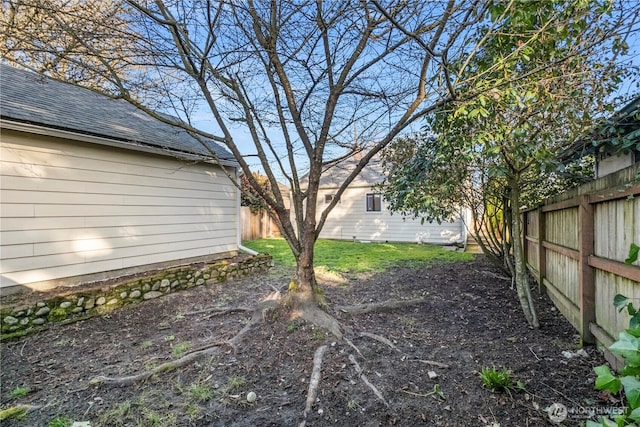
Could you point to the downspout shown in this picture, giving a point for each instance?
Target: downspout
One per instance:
(239, 227)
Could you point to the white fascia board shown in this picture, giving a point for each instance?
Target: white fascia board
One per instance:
(93, 139)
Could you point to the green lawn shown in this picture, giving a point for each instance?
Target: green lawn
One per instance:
(339, 256)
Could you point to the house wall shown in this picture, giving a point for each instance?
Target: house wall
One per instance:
(610, 163)
(349, 220)
(69, 208)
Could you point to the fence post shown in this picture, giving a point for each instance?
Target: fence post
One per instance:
(542, 256)
(585, 271)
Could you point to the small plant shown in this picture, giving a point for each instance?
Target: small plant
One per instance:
(499, 380)
(409, 321)
(292, 327)
(628, 383)
(179, 349)
(235, 383)
(318, 334)
(231, 389)
(146, 344)
(193, 411)
(20, 392)
(169, 338)
(352, 405)
(200, 392)
(60, 422)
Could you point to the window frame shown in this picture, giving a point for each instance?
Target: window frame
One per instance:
(373, 197)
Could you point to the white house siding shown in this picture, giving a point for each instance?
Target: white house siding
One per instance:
(70, 208)
(349, 220)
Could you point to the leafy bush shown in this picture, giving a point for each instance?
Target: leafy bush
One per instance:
(627, 384)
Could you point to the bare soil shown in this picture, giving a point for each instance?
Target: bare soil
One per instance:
(469, 319)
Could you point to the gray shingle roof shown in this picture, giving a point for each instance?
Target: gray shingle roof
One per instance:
(370, 175)
(27, 97)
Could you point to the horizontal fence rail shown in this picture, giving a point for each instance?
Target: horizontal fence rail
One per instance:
(575, 247)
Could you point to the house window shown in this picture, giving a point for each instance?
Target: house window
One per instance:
(374, 202)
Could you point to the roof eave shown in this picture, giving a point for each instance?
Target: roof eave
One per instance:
(38, 129)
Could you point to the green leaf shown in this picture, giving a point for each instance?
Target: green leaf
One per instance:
(620, 302)
(628, 347)
(632, 390)
(606, 380)
(633, 254)
(635, 415)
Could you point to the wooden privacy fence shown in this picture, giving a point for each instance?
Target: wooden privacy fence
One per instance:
(257, 225)
(575, 247)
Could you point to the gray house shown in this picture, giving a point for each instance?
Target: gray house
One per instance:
(91, 188)
(362, 215)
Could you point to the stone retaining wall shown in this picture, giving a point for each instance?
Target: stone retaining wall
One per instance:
(97, 300)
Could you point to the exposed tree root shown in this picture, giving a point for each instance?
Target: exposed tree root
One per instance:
(219, 311)
(365, 380)
(207, 349)
(18, 411)
(168, 366)
(307, 311)
(431, 362)
(379, 338)
(314, 382)
(379, 306)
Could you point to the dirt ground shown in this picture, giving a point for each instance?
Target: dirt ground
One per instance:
(469, 319)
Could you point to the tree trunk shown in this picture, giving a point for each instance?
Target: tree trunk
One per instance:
(305, 298)
(522, 284)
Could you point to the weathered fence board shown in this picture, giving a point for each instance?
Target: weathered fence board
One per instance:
(575, 247)
(257, 225)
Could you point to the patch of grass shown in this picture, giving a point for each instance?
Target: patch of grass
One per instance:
(318, 334)
(60, 422)
(293, 326)
(20, 392)
(180, 349)
(116, 416)
(193, 412)
(200, 392)
(232, 387)
(409, 321)
(499, 380)
(341, 256)
(234, 383)
(146, 344)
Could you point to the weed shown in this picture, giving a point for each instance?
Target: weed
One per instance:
(352, 405)
(499, 380)
(235, 383)
(20, 392)
(318, 334)
(170, 338)
(179, 349)
(146, 344)
(60, 422)
(292, 327)
(409, 321)
(200, 392)
(117, 416)
(193, 411)
(179, 316)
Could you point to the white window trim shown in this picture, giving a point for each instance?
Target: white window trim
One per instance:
(366, 195)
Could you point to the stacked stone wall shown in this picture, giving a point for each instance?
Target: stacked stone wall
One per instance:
(98, 300)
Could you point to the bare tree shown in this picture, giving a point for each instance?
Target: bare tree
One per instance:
(296, 76)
